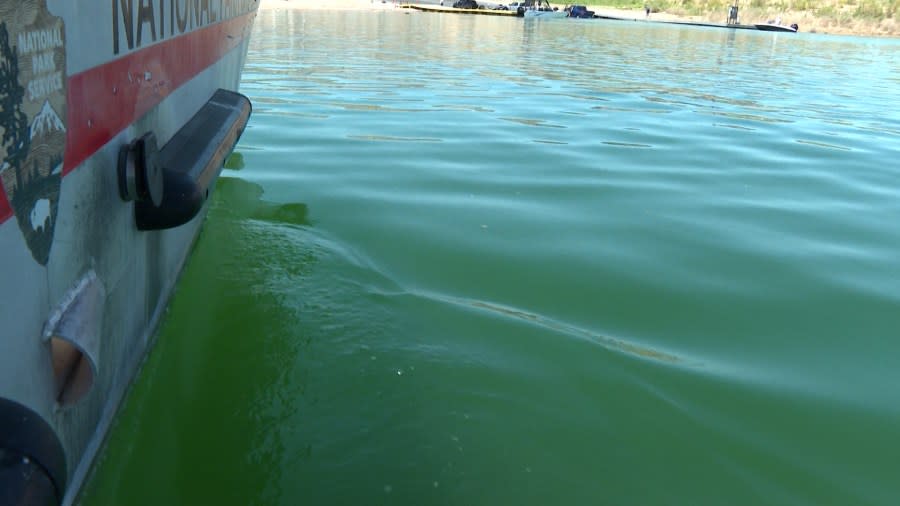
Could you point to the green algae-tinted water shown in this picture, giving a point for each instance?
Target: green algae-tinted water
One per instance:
(475, 261)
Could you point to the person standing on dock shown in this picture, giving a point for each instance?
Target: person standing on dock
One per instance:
(647, 10)
(733, 14)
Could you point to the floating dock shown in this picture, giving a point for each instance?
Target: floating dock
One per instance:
(492, 12)
(443, 8)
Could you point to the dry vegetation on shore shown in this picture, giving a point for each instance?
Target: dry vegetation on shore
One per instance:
(849, 17)
(845, 17)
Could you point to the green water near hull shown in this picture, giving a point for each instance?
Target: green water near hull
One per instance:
(471, 260)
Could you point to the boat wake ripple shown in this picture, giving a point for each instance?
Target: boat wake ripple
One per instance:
(610, 343)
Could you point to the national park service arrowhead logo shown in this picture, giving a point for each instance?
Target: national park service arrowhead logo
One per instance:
(32, 117)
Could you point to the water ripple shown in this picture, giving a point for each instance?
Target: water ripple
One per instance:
(552, 325)
(610, 254)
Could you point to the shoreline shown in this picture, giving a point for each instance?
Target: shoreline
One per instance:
(809, 23)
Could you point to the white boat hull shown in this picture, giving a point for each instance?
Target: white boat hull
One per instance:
(94, 75)
(771, 27)
(544, 14)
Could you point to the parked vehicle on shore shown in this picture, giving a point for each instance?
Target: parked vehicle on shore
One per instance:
(579, 11)
(465, 4)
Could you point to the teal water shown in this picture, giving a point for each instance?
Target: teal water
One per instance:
(468, 260)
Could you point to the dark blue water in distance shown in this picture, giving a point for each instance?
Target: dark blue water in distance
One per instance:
(466, 260)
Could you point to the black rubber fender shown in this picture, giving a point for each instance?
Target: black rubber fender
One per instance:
(182, 200)
(32, 459)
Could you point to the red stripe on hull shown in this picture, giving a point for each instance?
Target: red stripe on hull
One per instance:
(5, 209)
(104, 100)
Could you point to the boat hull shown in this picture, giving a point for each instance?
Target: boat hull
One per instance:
(544, 14)
(766, 27)
(80, 281)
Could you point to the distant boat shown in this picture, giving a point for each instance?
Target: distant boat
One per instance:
(539, 9)
(774, 27)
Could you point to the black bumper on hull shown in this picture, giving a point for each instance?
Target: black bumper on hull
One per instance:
(170, 185)
(32, 459)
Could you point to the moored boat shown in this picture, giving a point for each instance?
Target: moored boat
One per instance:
(539, 9)
(776, 27)
(116, 118)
